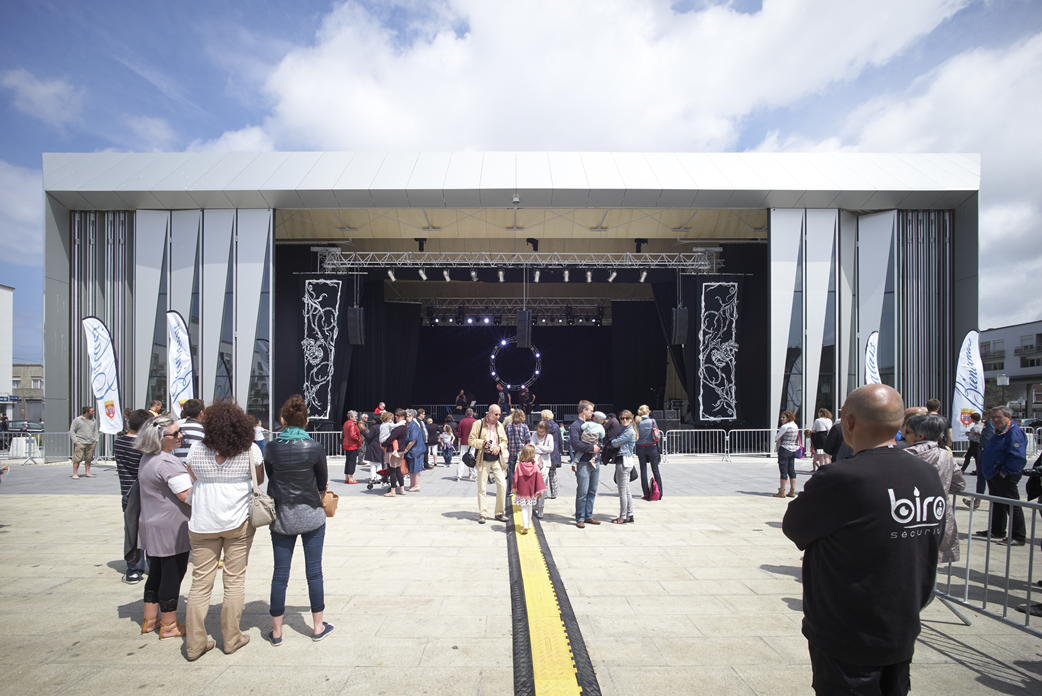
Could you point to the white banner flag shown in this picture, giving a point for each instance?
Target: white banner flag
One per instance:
(104, 376)
(969, 386)
(872, 359)
(180, 380)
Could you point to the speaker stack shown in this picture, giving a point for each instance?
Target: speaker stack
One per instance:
(679, 326)
(356, 326)
(524, 329)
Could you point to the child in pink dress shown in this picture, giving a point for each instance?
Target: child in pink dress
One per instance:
(528, 485)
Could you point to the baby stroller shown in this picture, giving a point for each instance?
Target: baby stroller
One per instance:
(385, 479)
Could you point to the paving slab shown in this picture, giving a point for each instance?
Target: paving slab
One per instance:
(702, 594)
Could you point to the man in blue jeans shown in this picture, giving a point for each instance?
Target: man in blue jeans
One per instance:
(587, 474)
(1002, 463)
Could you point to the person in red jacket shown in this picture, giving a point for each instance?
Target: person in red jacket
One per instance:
(352, 441)
(380, 409)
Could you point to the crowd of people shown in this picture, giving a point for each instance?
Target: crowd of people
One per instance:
(491, 451)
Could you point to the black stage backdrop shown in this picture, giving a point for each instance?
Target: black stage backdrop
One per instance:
(749, 264)
(638, 356)
(576, 363)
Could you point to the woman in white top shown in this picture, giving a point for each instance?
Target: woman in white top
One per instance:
(818, 432)
(220, 468)
(543, 442)
(788, 443)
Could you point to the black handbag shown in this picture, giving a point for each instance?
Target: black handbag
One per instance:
(469, 459)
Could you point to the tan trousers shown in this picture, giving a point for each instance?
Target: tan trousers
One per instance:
(206, 552)
(83, 452)
(501, 484)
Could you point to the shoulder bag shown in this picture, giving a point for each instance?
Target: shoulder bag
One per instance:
(262, 505)
(470, 459)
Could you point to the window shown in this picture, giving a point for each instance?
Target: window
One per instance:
(1028, 340)
(991, 367)
(1031, 362)
(998, 346)
(16, 383)
(985, 347)
(37, 384)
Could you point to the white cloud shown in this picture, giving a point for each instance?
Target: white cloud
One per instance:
(983, 101)
(155, 133)
(55, 102)
(249, 139)
(623, 75)
(21, 214)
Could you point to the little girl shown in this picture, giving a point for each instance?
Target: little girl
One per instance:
(528, 485)
(445, 440)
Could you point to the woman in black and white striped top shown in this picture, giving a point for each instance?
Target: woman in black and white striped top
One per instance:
(788, 444)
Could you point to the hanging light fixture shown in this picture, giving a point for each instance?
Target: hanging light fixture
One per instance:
(589, 276)
(390, 274)
(536, 276)
(445, 273)
(423, 274)
(566, 275)
(500, 274)
(611, 276)
(473, 275)
(643, 275)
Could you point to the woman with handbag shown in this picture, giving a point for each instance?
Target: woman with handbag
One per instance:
(297, 475)
(220, 525)
(625, 465)
(788, 440)
(163, 486)
(648, 436)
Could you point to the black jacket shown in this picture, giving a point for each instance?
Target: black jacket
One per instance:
(296, 471)
(373, 451)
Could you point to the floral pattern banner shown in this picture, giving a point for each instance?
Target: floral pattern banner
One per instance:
(718, 353)
(321, 314)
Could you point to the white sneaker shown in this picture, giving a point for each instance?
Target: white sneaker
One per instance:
(457, 478)
(539, 514)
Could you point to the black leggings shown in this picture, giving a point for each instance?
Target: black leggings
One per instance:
(165, 574)
(350, 460)
(395, 475)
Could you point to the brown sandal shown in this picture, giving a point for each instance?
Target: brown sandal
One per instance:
(148, 626)
(172, 626)
(210, 645)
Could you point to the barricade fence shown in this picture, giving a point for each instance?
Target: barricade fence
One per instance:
(713, 442)
(36, 448)
(993, 579)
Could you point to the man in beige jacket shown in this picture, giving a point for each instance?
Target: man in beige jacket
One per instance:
(488, 439)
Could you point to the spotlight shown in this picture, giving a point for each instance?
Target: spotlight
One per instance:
(537, 372)
(537, 355)
(543, 320)
(493, 374)
(470, 320)
(437, 320)
(459, 315)
(423, 274)
(589, 276)
(611, 276)
(503, 342)
(566, 275)
(580, 320)
(390, 274)
(536, 277)
(500, 274)
(485, 320)
(497, 320)
(473, 275)
(643, 275)
(445, 273)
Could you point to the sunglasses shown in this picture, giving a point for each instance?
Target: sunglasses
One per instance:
(176, 433)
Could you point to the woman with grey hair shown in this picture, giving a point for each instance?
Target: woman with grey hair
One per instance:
(352, 441)
(163, 484)
(924, 434)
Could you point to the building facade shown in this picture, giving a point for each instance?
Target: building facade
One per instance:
(1014, 352)
(28, 389)
(784, 263)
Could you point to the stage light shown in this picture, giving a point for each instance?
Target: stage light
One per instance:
(566, 275)
(500, 274)
(536, 277)
(497, 320)
(643, 275)
(485, 320)
(611, 276)
(542, 320)
(446, 274)
(473, 275)
(589, 276)
(537, 372)
(502, 343)
(437, 320)
(493, 356)
(580, 320)
(493, 373)
(537, 355)
(390, 274)
(470, 320)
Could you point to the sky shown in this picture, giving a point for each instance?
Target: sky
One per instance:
(607, 75)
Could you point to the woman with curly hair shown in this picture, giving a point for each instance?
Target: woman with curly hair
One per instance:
(220, 467)
(297, 475)
(164, 485)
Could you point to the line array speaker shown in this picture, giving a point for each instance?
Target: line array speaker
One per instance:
(679, 326)
(524, 329)
(356, 326)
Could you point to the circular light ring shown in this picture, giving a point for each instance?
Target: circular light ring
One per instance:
(536, 371)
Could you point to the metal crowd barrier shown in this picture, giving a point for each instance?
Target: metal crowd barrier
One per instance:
(333, 442)
(712, 442)
(752, 442)
(992, 579)
(37, 447)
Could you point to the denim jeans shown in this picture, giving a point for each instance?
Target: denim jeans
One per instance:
(586, 479)
(142, 563)
(282, 547)
(511, 463)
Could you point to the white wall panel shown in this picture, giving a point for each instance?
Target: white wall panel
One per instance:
(427, 180)
(218, 227)
(786, 238)
(151, 228)
(846, 294)
(184, 243)
(875, 240)
(253, 231)
(817, 262)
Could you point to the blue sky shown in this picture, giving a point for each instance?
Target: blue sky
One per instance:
(880, 75)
